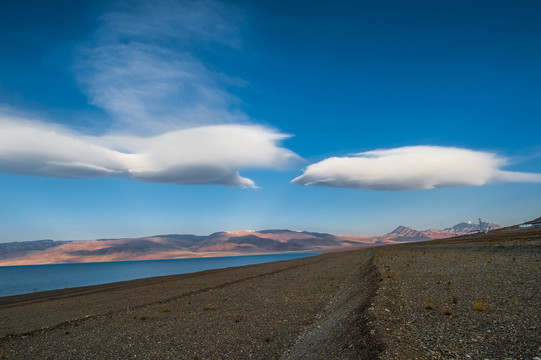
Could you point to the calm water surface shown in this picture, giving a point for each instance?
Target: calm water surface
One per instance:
(31, 278)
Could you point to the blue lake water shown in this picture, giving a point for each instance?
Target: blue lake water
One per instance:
(31, 278)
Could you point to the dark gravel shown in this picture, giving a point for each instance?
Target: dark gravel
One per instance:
(425, 304)
(253, 312)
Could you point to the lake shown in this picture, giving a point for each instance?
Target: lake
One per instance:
(24, 279)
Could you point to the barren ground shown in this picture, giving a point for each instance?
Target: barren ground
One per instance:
(401, 302)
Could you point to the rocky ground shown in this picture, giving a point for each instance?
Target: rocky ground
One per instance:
(471, 298)
(475, 298)
(252, 312)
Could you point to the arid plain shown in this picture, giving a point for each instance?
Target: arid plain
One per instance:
(472, 297)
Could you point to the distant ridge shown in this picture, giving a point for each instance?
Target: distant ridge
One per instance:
(223, 243)
(172, 246)
(23, 248)
(405, 233)
(467, 227)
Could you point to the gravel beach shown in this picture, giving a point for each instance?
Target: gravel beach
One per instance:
(475, 297)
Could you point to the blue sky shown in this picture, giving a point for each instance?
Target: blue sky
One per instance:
(134, 118)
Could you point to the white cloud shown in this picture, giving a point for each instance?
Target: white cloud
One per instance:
(141, 67)
(201, 155)
(412, 168)
(172, 119)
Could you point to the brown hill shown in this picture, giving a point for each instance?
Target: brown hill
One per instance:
(218, 244)
(179, 246)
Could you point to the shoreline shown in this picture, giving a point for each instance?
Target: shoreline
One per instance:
(214, 255)
(116, 272)
(19, 299)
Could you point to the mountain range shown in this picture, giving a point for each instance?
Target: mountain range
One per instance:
(218, 244)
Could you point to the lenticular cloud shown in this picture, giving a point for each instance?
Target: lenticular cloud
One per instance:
(200, 155)
(412, 168)
(140, 68)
